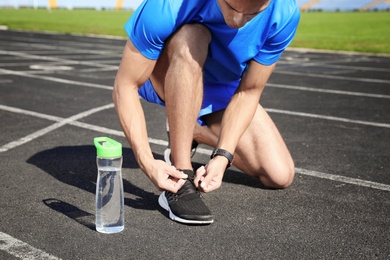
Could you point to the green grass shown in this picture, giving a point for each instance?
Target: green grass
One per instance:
(352, 31)
(65, 21)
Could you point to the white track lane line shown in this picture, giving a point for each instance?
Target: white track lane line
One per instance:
(207, 152)
(52, 127)
(329, 91)
(22, 250)
(59, 80)
(331, 64)
(339, 178)
(331, 118)
(333, 77)
(55, 59)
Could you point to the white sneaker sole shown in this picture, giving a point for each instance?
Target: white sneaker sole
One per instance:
(162, 200)
(167, 156)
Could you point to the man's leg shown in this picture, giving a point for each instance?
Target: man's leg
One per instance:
(178, 80)
(261, 151)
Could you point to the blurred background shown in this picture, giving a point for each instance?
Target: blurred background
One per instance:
(346, 25)
(71, 4)
(305, 5)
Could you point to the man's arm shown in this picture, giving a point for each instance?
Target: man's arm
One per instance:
(236, 119)
(133, 72)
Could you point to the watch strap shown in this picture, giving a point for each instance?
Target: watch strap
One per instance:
(224, 153)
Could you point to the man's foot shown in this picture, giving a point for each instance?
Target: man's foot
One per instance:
(187, 205)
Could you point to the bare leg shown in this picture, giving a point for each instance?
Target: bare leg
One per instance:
(178, 79)
(261, 151)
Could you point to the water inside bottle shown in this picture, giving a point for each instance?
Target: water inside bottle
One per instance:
(109, 201)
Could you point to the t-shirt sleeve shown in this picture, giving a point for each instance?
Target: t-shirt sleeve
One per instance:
(281, 35)
(149, 30)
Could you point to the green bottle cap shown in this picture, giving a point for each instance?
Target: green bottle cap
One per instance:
(107, 147)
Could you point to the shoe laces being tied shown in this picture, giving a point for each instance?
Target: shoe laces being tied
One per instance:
(189, 186)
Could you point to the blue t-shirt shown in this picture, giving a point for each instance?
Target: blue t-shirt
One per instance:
(263, 39)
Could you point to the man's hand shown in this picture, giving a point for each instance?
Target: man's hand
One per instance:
(209, 177)
(166, 177)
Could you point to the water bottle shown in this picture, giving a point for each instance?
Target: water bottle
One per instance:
(109, 186)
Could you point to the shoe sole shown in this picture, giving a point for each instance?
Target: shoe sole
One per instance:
(162, 200)
(167, 156)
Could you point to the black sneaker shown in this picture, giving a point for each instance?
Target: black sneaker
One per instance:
(186, 206)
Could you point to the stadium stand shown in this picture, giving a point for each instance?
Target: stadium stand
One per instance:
(343, 5)
(302, 2)
(308, 5)
(378, 5)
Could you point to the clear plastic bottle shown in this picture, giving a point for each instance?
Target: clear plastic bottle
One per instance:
(109, 186)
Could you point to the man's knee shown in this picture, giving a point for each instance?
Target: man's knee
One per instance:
(197, 33)
(279, 177)
(190, 42)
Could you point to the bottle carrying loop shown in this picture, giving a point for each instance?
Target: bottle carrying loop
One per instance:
(107, 147)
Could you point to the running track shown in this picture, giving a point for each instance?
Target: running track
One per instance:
(331, 108)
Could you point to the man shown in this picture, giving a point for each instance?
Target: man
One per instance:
(208, 62)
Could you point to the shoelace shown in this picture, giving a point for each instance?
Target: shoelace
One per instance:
(189, 186)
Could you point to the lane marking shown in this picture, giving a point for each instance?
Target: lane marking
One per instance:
(52, 127)
(50, 67)
(331, 118)
(30, 113)
(47, 58)
(330, 91)
(333, 77)
(354, 53)
(331, 64)
(339, 178)
(207, 152)
(58, 80)
(22, 250)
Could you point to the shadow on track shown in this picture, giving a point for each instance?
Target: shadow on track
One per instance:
(76, 166)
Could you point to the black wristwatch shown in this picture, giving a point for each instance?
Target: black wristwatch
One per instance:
(223, 153)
